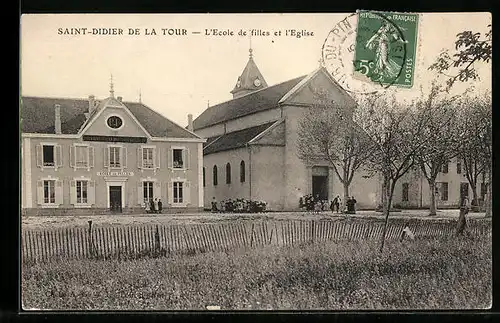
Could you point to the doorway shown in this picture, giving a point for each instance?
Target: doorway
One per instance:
(464, 191)
(320, 182)
(115, 199)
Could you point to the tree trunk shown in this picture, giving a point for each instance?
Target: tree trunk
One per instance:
(488, 195)
(474, 203)
(346, 195)
(432, 195)
(387, 192)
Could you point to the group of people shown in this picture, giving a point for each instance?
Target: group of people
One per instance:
(239, 205)
(153, 206)
(316, 204)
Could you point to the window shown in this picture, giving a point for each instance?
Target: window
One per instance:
(178, 192)
(81, 192)
(49, 193)
(114, 122)
(81, 156)
(405, 192)
(228, 173)
(459, 167)
(147, 157)
(215, 175)
(48, 155)
(445, 168)
(242, 171)
(177, 156)
(204, 183)
(114, 157)
(148, 191)
(444, 191)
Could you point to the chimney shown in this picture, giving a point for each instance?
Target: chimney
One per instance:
(190, 122)
(57, 124)
(91, 104)
(119, 98)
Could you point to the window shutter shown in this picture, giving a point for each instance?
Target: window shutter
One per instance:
(91, 192)
(39, 161)
(187, 158)
(140, 194)
(158, 156)
(187, 192)
(165, 189)
(106, 158)
(72, 154)
(59, 157)
(91, 157)
(170, 194)
(59, 192)
(169, 158)
(157, 192)
(72, 192)
(39, 191)
(124, 153)
(139, 157)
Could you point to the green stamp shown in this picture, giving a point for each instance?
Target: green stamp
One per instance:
(385, 48)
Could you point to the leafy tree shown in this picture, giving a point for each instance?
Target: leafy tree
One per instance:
(460, 64)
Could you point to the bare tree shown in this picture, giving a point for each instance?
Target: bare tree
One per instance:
(476, 146)
(328, 133)
(442, 138)
(397, 130)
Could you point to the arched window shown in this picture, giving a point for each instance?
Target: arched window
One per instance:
(228, 173)
(215, 175)
(242, 171)
(204, 183)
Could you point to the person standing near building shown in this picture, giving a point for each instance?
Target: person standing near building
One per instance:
(462, 221)
(156, 205)
(353, 205)
(147, 206)
(152, 205)
(160, 206)
(336, 203)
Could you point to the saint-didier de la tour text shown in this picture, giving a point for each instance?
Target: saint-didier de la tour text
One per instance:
(122, 31)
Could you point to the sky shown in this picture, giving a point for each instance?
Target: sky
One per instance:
(178, 75)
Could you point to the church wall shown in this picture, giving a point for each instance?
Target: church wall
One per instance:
(268, 175)
(212, 131)
(222, 190)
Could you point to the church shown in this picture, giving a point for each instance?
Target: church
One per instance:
(251, 150)
(90, 156)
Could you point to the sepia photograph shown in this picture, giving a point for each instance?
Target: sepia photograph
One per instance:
(256, 162)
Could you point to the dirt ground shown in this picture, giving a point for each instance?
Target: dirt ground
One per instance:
(45, 222)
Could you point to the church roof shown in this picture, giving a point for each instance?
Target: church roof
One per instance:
(257, 101)
(235, 139)
(246, 81)
(37, 115)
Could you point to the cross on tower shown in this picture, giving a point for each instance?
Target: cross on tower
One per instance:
(111, 89)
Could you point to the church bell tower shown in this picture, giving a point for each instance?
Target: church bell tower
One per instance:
(250, 79)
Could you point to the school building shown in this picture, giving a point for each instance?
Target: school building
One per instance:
(89, 156)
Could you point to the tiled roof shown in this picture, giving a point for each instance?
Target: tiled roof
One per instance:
(37, 114)
(233, 140)
(260, 100)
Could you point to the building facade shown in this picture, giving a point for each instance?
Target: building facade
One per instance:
(251, 148)
(84, 156)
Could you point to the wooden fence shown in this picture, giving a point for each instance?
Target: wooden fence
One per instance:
(137, 241)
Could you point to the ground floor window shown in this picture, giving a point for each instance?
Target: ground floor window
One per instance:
(444, 191)
(148, 191)
(178, 192)
(49, 193)
(81, 192)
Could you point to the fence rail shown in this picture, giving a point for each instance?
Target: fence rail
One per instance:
(137, 241)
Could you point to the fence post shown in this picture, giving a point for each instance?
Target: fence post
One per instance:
(312, 230)
(91, 250)
(251, 240)
(157, 241)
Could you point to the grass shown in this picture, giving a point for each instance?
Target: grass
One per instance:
(442, 273)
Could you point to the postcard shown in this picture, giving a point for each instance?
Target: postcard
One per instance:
(227, 162)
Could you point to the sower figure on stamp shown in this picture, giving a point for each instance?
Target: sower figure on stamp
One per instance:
(462, 221)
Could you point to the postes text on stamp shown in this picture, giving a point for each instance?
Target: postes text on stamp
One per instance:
(385, 48)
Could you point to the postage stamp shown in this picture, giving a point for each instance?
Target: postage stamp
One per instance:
(385, 48)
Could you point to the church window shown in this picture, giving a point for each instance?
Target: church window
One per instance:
(228, 173)
(215, 175)
(242, 171)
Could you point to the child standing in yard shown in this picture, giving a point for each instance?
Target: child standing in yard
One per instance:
(160, 205)
(147, 206)
(462, 222)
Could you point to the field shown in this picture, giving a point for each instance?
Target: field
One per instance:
(428, 273)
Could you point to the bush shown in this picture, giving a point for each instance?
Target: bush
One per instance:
(424, 274)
